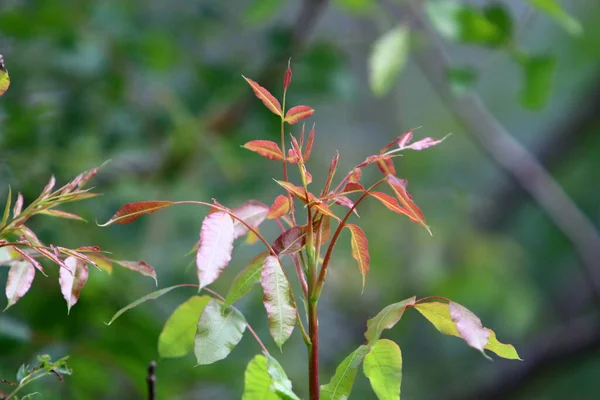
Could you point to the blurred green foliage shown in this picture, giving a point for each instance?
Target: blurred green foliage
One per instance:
(141, 84)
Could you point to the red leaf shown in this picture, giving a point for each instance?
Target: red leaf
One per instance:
(280, 207)
(307, 174)
(352, 187)
(372, 159)
(267, 98)
(309, 144)
(265, 148)
(290, 241)
(20, 278)
(331, 173)
(71, 282)
(386, 166)
(287, 78)
(215, 247)
(355, 175)
(132, 211)
(298, 113)
(413, 212)
(295, 190)
(360, 250)
(325, 229)
(390, 202)
(252, 212)
(141, 267)
(400, 141)
(345, 201)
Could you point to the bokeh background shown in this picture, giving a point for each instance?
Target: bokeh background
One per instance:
(512, 195)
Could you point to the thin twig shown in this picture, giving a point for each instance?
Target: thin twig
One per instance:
(151, 381)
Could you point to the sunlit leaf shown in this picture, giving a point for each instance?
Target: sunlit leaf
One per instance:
(257, 381)
(280, 207)
(386, 319)
(281, 383)
(413, 211)
(456, 320)
(265, 148)
(360, 250)
(4, 78)
(539, 72)
(340, 386)
(152, 296)
(298, 113)
(244, 281)
(252, 212)
(177, 336)
(71, 282)
(215, 247)
(277, 299)
(290, 241)
(387, 59)
(554, 10)
(103, 262)
(141, 267)
(383, 367)
(132, 211)
(219, 331)
(20, 278)
(267, 98)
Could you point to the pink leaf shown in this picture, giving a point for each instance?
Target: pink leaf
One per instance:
(32, 260)
(277, 300)
(469, 326)
(298, 113)
(61, 214)
(280, 207)
(265, 148)
(20, 278)
(215, 247)
(345, 201)
(425, 143)
(265, 96)
(290, 241)
(48, 189)
(287, 78)
(18, 205)
(132, 211)
(71, 282)
(141, 267)
(401, 141)
(253, 213)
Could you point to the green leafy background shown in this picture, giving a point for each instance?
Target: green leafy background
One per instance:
(142, 83)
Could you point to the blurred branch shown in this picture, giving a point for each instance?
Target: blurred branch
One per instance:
(572, 343)
(151, 381)
(510, 155)
(579, 122)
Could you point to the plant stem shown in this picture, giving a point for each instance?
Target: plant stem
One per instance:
(313, 362)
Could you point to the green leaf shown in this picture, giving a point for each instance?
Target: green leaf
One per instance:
(340, 386)
(23, 371)
(539, 74)
(177, 336)
(461, 80)
(32, 396)
(466, 24)
(456, 320)
(219, 331)
(281, 383)
(387, 59)
(4, 78)
(277, 299)
(244, 281)
(151, 296)
(257, 381)
(383, 367)
(386, 319)
(553, 9)
(262, 10)
(356, 6)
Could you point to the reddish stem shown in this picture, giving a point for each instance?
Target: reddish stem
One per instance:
(313, 366)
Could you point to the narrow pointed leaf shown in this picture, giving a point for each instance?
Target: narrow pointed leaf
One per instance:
(215, 247)
(257, 381)
(345, 201)
(265, 148)
(355, 175)
(252, 212)
(18, 207)
(553, 9)
(414, 212)
(247, 278)
(340, 386)
(331, 173)
(29, 258)
(103, 262)
(219, 330)
(20, 278)
(456, 320)
(425, 143)
(280, 207)
(281, 383)
(4, 78)
(267, 98)
(295, 190)
(277, 299)
(71, 282)
(290, 241)
(387, 59)
(389, 202)
(177, 336)
(287, 78)
(386, 319)
(141, 267)
(151, 296)
(298, 113)
(61, 214)
(49, 186)
(309, 144)
(360, 250)
(7, 207)
(401, 141)
(132, 211)
(383, 367)
(386, 166)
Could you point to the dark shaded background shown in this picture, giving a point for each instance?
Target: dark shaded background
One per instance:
(156, 87)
